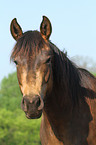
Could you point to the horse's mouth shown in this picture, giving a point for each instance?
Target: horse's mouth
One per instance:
(32, 108)
(33, 116)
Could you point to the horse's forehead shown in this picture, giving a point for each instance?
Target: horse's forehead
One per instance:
(29, 41)
(34, 57)
(31, 50)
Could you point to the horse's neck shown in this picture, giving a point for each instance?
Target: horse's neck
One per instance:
(47, 133)
(57, 108)
(54, 125)
(59, 103)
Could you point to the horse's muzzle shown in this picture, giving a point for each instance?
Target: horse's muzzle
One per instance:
(32, 106)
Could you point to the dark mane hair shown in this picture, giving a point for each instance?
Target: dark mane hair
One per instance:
(66, 75)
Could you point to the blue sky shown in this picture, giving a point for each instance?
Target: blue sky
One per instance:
(73, 26)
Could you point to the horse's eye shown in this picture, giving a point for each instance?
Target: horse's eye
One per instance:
(16, 62)
(48, 60)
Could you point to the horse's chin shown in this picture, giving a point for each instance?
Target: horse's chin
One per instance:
(33, 116)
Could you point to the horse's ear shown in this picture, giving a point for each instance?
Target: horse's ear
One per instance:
(15, 29)
(45, 28)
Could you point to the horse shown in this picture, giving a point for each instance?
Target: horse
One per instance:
(54, 87)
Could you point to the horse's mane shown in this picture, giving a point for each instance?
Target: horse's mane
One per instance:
(66, 75)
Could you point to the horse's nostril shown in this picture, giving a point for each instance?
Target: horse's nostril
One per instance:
(24, 105)
(31, 104)
(37, 102)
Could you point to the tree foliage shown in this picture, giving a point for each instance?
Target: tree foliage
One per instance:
(15, 128)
